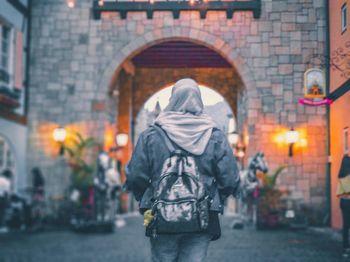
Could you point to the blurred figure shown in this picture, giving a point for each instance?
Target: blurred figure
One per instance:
(38, 183)
(36, 210)
(343, 192)
(5, 187)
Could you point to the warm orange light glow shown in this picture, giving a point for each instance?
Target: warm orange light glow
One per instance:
(246, 140)
(303, 142)
(109, 137)
(192, 2)
(151, 2)
(101, 2)
(283, 137)
(280, 139)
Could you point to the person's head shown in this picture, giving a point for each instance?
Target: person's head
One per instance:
(7, 173)
(186, 97)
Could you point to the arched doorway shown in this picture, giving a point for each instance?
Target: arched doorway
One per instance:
(160, 65)
(164, 63)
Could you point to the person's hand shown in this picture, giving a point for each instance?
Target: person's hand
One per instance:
(147, 217)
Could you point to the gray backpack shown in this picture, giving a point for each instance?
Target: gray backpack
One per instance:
(181, 203)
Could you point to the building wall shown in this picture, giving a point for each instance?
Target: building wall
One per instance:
(75, 59)
(340, 109)
(12, 121)
(16, 135)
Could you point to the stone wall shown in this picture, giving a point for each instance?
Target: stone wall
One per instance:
(76, 61)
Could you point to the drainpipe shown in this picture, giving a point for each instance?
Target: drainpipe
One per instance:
(27, 72)
(328, 217)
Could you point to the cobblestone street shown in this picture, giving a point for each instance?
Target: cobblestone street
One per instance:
(129, 244)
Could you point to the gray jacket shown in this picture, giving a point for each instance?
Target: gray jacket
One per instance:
(216, 165)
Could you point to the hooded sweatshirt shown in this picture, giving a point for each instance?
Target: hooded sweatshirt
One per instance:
(183, 120)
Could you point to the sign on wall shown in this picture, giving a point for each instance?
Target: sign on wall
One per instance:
(314, 83)
(314, 88)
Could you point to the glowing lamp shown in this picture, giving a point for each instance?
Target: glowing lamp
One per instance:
(101, 2)
(233, 138)
(121, 139)
(240, 153)
(151, 2)
(59, 135)
(292, 137)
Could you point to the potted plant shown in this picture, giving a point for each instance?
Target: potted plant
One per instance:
(82, 167)
(269, 202)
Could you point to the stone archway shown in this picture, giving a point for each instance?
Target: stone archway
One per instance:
(226, 50)
(200, 37)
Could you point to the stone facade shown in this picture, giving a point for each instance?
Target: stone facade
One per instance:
(76, 62)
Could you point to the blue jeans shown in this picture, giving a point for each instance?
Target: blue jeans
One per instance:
(191, 247)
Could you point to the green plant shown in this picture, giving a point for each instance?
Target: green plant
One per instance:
(78, 159)
(269, 180)
(269, 195)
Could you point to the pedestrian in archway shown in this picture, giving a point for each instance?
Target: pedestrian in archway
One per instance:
(343, 191)
(182, 157)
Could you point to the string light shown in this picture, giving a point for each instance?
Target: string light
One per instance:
(71, 3)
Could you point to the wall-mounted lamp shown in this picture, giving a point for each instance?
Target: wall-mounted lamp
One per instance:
(121, 141)
(240, 152)
(292, 137)
(233, 138)
(59, 135)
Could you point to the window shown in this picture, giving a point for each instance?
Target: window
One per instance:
(5, 55)
(346, 140)
(344, 18)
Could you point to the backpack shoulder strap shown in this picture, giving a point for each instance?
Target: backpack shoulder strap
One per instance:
(165, 137)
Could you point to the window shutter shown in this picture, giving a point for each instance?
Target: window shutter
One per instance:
(19, 60)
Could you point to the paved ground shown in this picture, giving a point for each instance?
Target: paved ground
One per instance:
(129, 244)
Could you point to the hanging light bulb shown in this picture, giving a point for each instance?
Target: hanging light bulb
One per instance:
(151, 2)
(101, 2)
(192, 2)
(71, 3)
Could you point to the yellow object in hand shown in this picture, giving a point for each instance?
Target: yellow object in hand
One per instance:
(147, 217)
